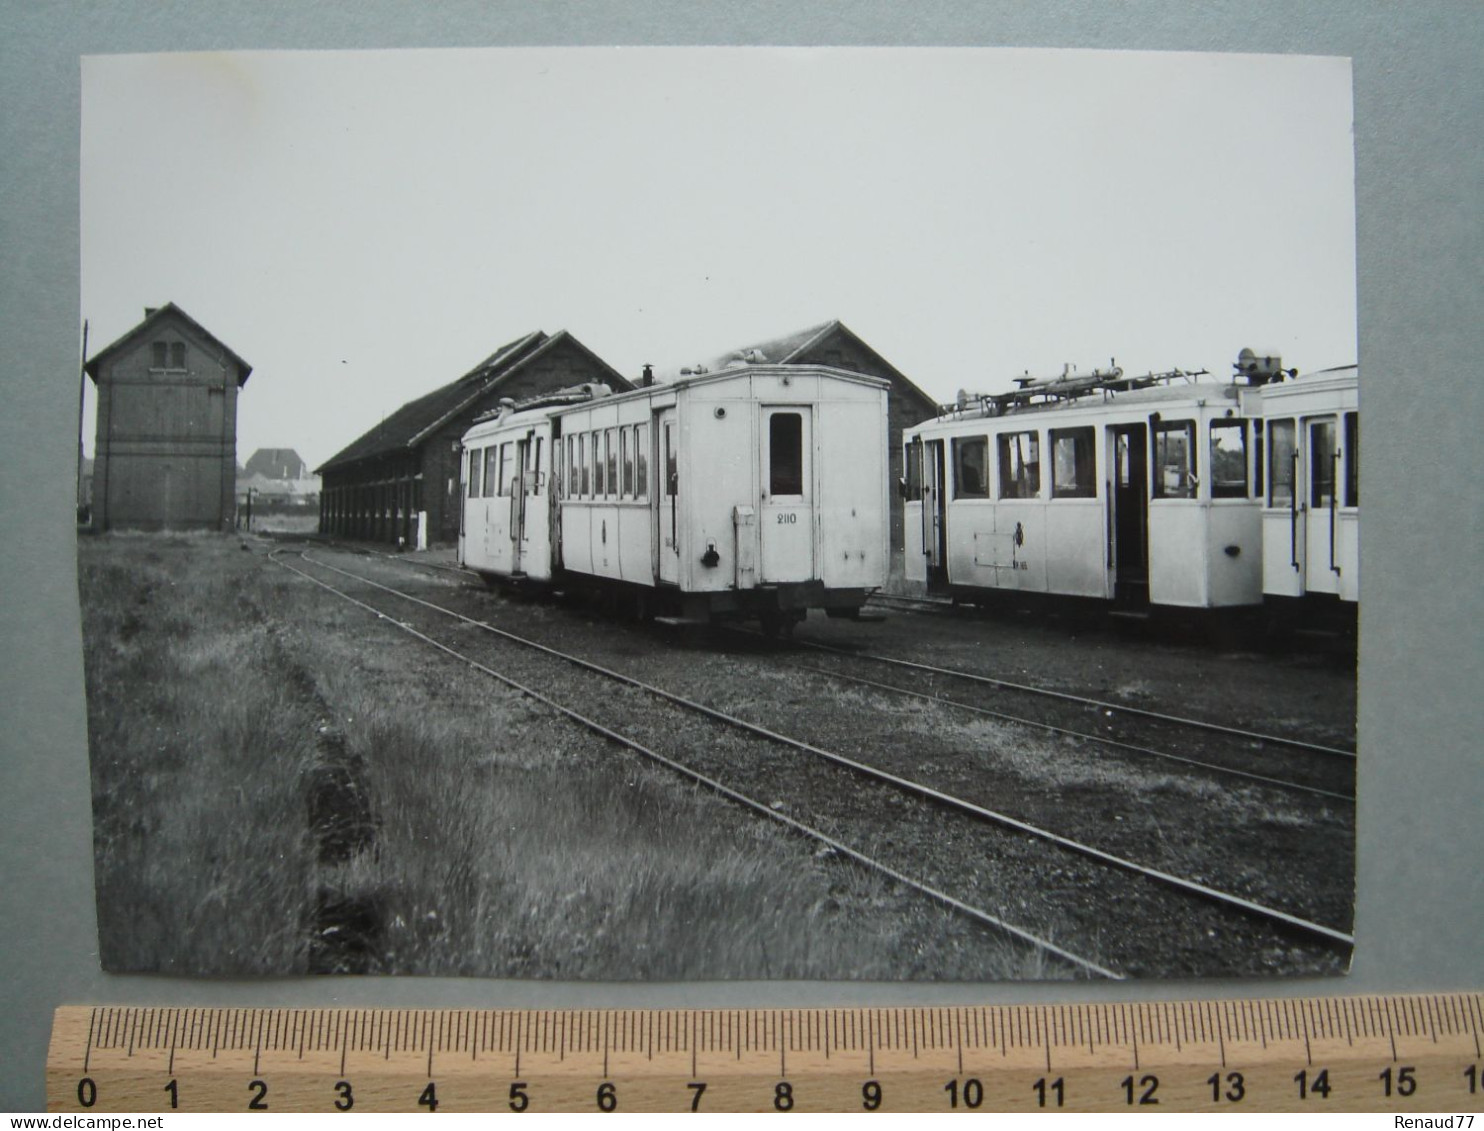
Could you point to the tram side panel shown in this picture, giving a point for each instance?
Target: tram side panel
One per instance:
(852, 487)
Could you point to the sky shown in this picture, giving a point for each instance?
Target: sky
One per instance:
(363, 227)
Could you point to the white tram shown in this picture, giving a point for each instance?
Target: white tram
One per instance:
(1141, 491)
(1311, 512)
(756, 491)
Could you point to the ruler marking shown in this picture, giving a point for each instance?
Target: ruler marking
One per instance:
(87, 1052)
(1391, 1028)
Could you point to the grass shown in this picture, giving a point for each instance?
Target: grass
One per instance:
(502, 841)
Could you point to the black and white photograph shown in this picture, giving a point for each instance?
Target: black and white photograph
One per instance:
(714, 513)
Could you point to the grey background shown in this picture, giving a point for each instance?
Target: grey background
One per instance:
(1420, 192)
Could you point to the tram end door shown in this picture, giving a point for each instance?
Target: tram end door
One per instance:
(1320, 464)
(1128, 513)
(786, 495)
(935, 516)
(518, 507)
(666, 495)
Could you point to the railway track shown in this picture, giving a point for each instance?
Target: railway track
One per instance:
(1120, 709)
(970, 822)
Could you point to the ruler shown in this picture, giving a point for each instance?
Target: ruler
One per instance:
(1382, 1053)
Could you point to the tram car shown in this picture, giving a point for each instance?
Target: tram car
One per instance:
(1311, 509)
(757, 491)
(1138, 492)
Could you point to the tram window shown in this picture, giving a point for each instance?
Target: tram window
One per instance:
(600, 483)
(672, 470)
(535, 468)
(641, 461)
(1321, 463)
(1352, 459)
(1073, 464)
(785, 454)
(610, 455)
(1228, 459)
(584, 483)
(626, 454)
(507, 469)
(491, 471)
(971, 468)
(569, 481)
(1020, 465)
(1257, 460)
(1282, 451)
(471, 474)
(1174, 459)
(914, 470)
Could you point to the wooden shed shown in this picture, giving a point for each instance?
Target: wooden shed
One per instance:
(399, 482)
(166, 447)
(835, 344)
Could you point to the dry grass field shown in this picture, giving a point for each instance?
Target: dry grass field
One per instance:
(283, 784)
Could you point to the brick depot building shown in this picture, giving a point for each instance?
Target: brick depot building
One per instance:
(403, 474)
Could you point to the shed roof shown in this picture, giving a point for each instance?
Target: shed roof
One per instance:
(152, 319)
(419, 419)
(807, 346)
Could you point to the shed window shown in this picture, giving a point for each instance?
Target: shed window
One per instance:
(1073, 464)
(785, 454)
(1283, 462)
(1174, 459)
(1020, 465)
(167, 355)
(1352, 459)
(1228, 459)
(971, 467)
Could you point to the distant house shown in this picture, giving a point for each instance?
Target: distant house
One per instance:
(834, 344)
(165, 456)
(277, 463)
(278, 480)
(404, 472)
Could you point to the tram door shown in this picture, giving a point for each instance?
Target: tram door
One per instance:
(666, 495)
(1128, 522)
(786, 511)
(518, 538)
(1321, 467)
(934, 516)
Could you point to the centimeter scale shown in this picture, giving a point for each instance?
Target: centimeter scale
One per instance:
(1384, 1053)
